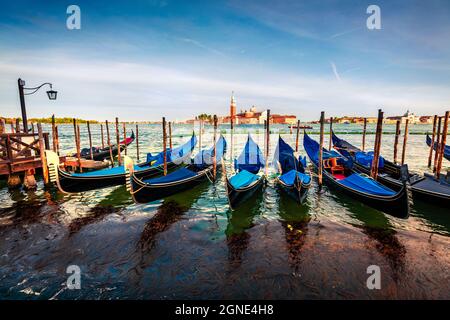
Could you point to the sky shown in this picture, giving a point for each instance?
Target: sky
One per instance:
(141, 60)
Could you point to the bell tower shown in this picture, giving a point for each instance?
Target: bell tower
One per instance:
(232, 108)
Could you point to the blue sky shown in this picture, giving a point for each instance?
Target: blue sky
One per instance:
(140, 60)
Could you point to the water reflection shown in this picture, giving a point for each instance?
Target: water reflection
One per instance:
(378, 227)
(294, 220)
(239, 221)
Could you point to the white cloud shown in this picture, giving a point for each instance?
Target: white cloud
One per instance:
(146, 91)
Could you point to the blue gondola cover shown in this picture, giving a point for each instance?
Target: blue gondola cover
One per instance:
(366, 185)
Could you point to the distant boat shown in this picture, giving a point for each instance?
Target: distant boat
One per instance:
(301, 127)
(100, 154)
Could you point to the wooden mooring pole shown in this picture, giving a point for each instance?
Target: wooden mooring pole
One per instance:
(442, 145)
(405, 140)
(57, 139)
(119, 158)
(438, 144)
(320, 168)
(90, 141)
(267, 141)
(125, 136)
(170, 135)
(377, 146)
(108, 139)
(397, 137)
(137, 142)
(200, 124)
(53, 132)
(103, 140)
(430, 155)
(164, 144)
(215, 149)
(364, 135)
(77, 142)
(297, 135)
(331, 134)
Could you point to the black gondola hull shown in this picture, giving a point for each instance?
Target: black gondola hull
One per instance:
(72, 184)
(297, 191)
(238, 196)
(397, 206)
(419, 193)
(145, 193)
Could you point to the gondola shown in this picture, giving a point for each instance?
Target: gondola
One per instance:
(100, 154)
(153, 166)
(424, 187)
(339, 174)
(200, 169)
(248, 178)
(446, 148)
(293, 176)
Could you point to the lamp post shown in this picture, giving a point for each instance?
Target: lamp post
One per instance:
(21, 83)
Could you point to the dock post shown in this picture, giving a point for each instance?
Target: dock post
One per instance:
(364, 135)
(215, 149)
(57, 139)
(397, 136)
(103, 140)
(53, 132)
(331, 133)
(267, 141)
(405, 140)
(137, 142)
(200, 123)
(377, 146)
(14, 181)
(109, 144)
(118, 142)
(90, 141)
(79, 147)
(430, 156)
(164, 144)
(29, 181)
(320, 169)
(438, 144)
(2, 126)
(443, 143)
(42, 154)
(18, 126)
(77, 142)
(297, 135)
(125, 136)
(170, 135)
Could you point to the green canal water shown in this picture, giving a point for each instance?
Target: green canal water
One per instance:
(191, 246)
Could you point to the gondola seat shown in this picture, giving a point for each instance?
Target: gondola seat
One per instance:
(289, 177)
(243, 179)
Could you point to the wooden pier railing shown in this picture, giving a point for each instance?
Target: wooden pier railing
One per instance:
(20, 152)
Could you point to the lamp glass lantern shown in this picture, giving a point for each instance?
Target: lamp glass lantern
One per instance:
(52, 94)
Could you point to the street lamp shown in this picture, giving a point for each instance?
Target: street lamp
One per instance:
(50, 93)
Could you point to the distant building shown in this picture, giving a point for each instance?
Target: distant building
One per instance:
(412, 118)
(253, 116)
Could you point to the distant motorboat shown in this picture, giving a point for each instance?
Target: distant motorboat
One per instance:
(301, 127)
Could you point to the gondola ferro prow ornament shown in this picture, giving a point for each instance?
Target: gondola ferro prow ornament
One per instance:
(129, 170)
(53, 168)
